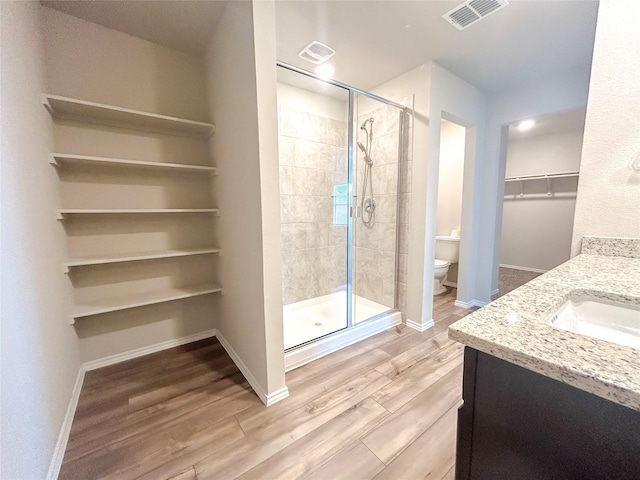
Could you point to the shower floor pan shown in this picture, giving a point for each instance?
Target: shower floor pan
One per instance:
(316, 318)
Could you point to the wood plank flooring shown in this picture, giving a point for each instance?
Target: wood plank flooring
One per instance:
(384, 408)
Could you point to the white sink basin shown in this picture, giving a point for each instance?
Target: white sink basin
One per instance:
(615, 322)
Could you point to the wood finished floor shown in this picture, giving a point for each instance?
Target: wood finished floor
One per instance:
(384, 408)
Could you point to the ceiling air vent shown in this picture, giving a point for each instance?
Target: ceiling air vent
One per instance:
(471, 11)
(316, 52)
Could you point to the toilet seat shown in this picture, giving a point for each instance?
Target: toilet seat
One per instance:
(441, 263)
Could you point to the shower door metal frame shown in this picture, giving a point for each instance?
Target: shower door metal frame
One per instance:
(350, 178)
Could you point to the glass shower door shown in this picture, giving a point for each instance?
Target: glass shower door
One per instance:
(315, 200)
(376, 187)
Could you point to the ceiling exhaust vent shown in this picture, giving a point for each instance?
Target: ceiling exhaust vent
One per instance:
(471, 11)
(316, 52)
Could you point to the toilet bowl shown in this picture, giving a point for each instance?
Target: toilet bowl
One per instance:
(447, 252)
(440, 272)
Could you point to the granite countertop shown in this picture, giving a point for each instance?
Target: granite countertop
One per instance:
(514, 327)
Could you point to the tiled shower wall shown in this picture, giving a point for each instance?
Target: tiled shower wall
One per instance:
(376, 246)
(313, 158)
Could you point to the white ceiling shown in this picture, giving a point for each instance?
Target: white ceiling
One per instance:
(550, 124)
(378, 40)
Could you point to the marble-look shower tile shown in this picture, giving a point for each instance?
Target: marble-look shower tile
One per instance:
(393, 119)
(385, 149)
(375, 262)
(385, 179)
(299, 236)
(405, 177)
(401, 297)
(285, 150)
(337, 235)
(403, 238)
(335, 132)
(386, 208)
(322, 208)
(366, 286)
(381, 237)
(387, 295)
(403, 267)
(309, 181)
(286, 180)
(310, 154)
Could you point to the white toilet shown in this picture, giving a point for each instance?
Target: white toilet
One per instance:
(447, 252)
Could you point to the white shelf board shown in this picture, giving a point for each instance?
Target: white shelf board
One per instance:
(62, 159)
(98, 307)
(134, 257)
(72, 108)
(61, 213)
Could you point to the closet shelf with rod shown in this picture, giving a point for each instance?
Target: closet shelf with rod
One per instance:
(91, 112)
(63, 160)
(542, 176)
(545, 176)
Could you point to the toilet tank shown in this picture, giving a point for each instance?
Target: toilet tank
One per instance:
(447, 248)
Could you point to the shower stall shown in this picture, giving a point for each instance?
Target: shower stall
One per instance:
(340, 153)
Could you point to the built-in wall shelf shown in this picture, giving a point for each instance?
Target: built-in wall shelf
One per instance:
(98, 307)
(64, 212)
(74, 109)
(134, 257)
(66, 159)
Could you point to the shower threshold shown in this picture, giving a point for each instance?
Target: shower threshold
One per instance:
(320, 317)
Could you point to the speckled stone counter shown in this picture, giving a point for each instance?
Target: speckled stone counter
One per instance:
(514, 327)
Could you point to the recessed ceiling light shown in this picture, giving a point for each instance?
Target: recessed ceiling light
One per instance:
(316, 52)
(526, 125)
(325, 70)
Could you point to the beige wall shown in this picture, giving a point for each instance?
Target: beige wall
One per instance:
(608, 200)
(536, 228)
(450, 175)
(94, 63)
(241, 77)
(39, 350)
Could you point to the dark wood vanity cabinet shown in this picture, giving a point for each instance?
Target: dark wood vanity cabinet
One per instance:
(516, 424)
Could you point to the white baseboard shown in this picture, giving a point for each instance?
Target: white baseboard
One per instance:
(525, 269)
(451, 284)
(63, 436)
(139, 352)
(495, 292)
(267, 399)
(470, 303)
(276, 396)
(303, 355)
(421, 327)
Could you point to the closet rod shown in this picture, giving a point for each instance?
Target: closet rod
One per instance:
(542, 176)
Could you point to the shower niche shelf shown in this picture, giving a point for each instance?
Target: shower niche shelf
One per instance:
(97, 307)
(136, 257)
(64, 160)
(91, 112)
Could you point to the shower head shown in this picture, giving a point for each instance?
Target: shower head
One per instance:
(364, 124)
(362, 147)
